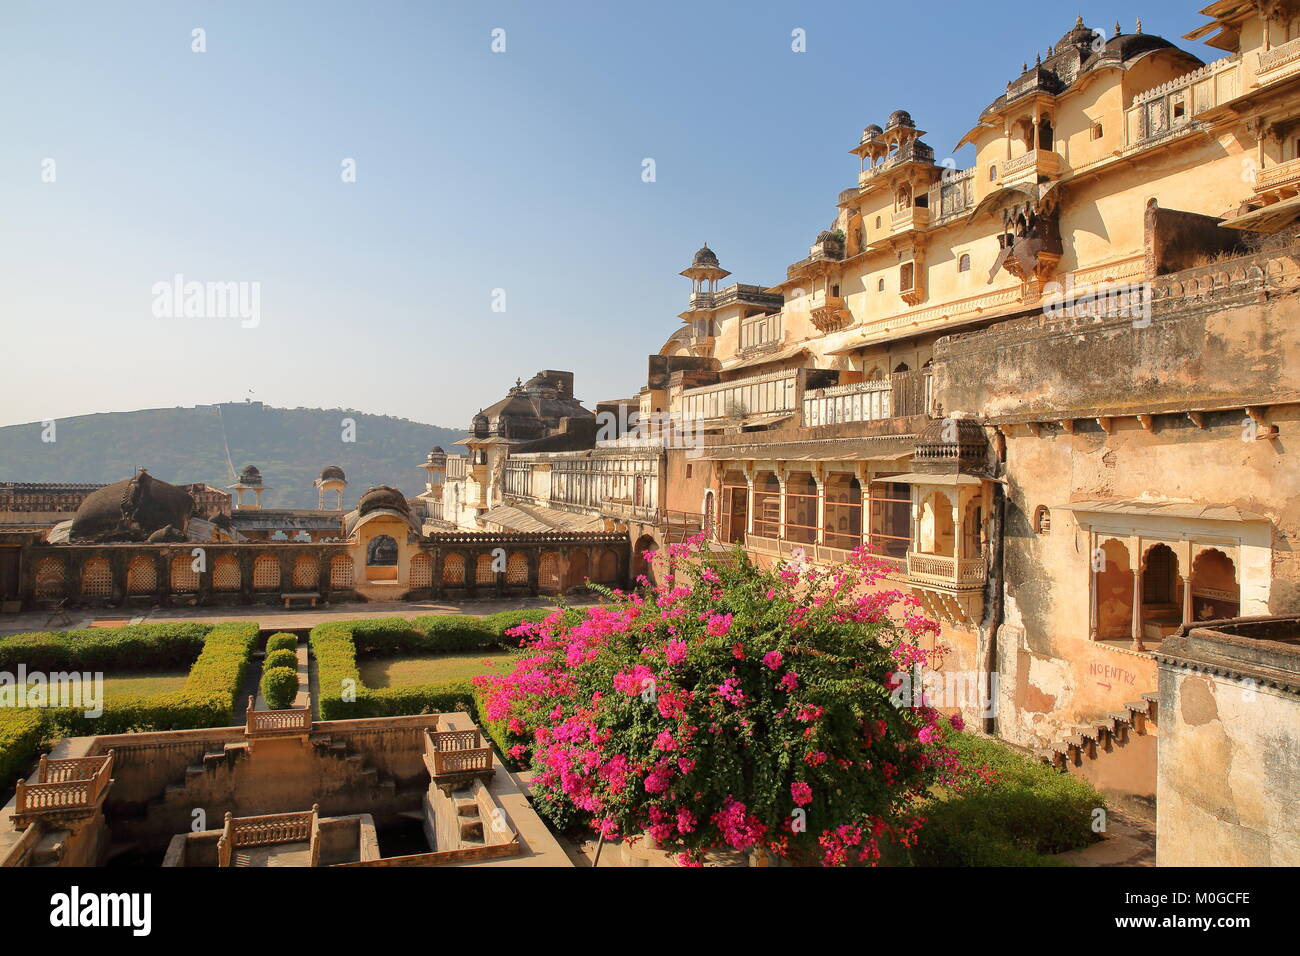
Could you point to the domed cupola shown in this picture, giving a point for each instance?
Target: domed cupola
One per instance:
(899, 118)
(704, 271)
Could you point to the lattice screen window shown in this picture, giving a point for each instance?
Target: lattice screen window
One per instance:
(306, 572)
(341, 571)
(453, 569)
(517, 569)
(97, 578)
(266, 573)
(483, 573)
(225, 573)
(421, 570)
(49, 578)
(549, 573)
(184, 577)
(141, 575)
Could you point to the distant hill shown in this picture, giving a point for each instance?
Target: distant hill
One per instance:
(288, 445)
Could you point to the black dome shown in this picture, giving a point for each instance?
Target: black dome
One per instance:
(332, 473)
(383, 497)
(899, 118)
(705, 257)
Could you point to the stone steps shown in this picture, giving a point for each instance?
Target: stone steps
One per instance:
(1088, 741)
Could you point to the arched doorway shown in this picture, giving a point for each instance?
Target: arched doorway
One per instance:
(937, 530)
(1215, 591)
(843, 512)
(1162, 593)
(641, 566)
(735, 508)
(1114, 592)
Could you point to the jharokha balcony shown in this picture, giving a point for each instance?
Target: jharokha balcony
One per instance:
(1028, 168)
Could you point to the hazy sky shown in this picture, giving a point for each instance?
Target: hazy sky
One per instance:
(475, 171)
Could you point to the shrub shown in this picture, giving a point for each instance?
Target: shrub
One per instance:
(706, 715)
(21, 733)
(1011, 814)
(456, 632)
(281, 658)
(135, 646)
(336, 646)
(206, 700)
(279, 687)
(281, 641)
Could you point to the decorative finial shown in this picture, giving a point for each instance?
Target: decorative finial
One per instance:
(1117, 29)
(1139, 26)
(1024, 67)
(1078, 21)
(1038, 59)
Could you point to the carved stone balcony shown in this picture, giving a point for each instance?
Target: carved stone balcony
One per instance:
(950, 589)
(913, 217)
(1279, 182)
(829, 313)
(1031, 168)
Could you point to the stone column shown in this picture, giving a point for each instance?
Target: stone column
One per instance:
(1137, 608)
(781, 516)
(821, 510)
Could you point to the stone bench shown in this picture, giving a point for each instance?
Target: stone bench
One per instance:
(290, 598)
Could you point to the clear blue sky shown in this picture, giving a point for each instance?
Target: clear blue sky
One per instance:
(475, 171)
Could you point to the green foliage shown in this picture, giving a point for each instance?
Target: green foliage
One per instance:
(342, 695)
(136, 646)
(281, 658)
(456, 632)
(281, 641)
(21, 733)
(1024, 811)
(279, 687)
(189, 444)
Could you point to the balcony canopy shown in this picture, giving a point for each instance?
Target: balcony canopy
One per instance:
(1161, 509)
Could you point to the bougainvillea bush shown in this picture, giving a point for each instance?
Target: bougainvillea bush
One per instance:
(730, 706)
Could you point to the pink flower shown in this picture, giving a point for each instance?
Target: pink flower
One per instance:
(790, 682)
(957, 722)
(773, 659)
(665, 741)
(675, 652)
(719, 624)
(801, 793)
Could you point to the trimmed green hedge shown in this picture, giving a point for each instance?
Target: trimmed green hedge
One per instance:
(281, 641)
(455, 632)
(135, 647)
(1029, 811)
(503, 621)
(279, 687)
(281, 658)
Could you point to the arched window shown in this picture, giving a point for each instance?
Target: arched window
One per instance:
(421, 574)
(877, 222)
(381, 552)
(306, 572)
(880, 285)
(341, 571)
(185, 579)
(963, 264)
(993, 172)
(453, 570)
(517, 568)
(266, 573)
(902, 367)
(1042, 520)
(141, 575)
(97, 579)
(550, 576)
(225, 573)
(484, 573)
(49, 578)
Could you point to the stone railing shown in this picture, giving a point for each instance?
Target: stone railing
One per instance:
(63, 786)
(759, 395)
(268, 830)
(946, 570)
(899, 395)
(1277, 177)
(1279, 56)
(952, 195)
(296, 720)
(456, 752)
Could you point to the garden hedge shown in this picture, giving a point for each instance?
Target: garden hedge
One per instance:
(1029, 811)
(134, 647)
(281, 658)
(279, 687)
(281, 641)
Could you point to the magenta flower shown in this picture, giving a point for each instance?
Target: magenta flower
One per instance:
(801, 793)
(773, 659)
